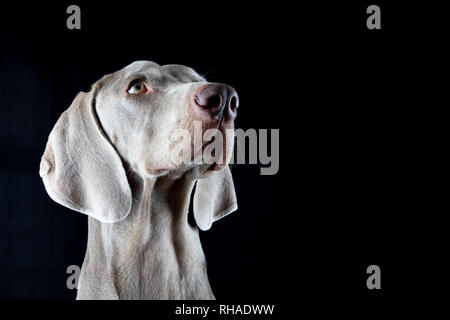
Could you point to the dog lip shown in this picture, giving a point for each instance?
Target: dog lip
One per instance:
(156, 169)
(207, 143)
(217, 167)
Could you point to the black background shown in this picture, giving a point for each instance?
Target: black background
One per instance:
(333, 88)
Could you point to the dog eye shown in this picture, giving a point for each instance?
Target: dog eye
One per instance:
(136, 87)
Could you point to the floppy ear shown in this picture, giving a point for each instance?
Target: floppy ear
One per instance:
(81, 169)
(214, 198)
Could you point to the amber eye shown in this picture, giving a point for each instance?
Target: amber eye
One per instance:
(136, 87)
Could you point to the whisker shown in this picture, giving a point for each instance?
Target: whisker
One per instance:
(208, 72)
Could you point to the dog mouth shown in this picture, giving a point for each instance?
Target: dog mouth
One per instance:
(219, 155)
(157, 171)
(209, 150)
(214, 166)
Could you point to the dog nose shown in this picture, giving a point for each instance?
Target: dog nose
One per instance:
(217, 100)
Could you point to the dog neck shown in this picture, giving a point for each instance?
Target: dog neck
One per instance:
(154, 253)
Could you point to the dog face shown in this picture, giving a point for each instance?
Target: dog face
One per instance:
(162, 118)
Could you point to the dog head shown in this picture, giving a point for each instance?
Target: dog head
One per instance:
(154, 120)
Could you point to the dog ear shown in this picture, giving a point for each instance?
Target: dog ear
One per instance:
(81, 169)
(214, 198)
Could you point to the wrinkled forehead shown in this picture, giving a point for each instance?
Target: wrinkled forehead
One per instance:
(159, 76)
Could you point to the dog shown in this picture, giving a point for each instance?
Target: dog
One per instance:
(112, 156)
